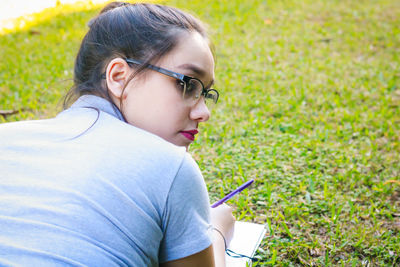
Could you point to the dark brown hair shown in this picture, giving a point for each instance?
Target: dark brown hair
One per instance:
(145, 32)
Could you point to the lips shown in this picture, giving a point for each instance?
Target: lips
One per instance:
(189, 134)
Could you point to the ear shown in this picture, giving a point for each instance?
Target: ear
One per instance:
(117, 74)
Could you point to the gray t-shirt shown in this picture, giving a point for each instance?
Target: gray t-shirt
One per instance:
(88, 189)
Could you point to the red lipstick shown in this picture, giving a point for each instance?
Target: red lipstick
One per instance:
(189, 134)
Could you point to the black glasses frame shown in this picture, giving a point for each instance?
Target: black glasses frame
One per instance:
(184, 78)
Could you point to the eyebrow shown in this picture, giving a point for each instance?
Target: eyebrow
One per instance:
(196, 70)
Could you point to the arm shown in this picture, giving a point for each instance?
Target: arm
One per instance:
(223, 220)
(223, 223)
(186, 219)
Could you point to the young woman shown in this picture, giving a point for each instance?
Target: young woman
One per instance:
(109, 182)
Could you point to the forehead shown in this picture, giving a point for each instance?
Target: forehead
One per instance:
(192, 55)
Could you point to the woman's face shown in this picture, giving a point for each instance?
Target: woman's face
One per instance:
(154, 101)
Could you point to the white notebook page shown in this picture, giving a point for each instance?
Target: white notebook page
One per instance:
(246, 240)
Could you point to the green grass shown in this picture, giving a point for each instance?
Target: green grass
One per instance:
(310, 108)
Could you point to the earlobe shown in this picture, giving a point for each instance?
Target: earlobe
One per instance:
(117, 74)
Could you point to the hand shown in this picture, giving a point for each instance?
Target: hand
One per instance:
(222, 219)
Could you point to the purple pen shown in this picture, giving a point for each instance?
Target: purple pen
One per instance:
(231, 194)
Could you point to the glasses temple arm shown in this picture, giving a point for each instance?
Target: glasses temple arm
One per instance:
(160, 70)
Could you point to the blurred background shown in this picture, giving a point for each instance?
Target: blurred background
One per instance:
(12, 9)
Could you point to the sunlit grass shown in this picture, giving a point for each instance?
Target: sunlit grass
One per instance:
(27, 21)
(309, 107)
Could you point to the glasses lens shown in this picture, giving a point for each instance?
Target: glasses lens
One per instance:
(193, 89)
(212, 96)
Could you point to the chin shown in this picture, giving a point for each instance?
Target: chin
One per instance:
(179, 143)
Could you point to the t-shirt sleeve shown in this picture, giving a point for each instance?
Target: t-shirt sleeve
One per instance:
(186, 214)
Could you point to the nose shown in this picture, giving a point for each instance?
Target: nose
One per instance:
(200, 112)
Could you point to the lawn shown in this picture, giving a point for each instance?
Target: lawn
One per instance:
(309, 108)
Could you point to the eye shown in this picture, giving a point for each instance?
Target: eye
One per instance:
(180, 84)
(191, 87)
(194, 88)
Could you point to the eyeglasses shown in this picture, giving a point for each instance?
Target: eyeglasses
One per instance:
(192, 88)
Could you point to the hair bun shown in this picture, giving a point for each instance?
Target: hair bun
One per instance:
(108, 7)
(113, 5)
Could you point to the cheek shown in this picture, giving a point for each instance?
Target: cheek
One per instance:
(163, 115)
(170, 118)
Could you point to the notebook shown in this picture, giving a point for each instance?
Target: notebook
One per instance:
(246, 240)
